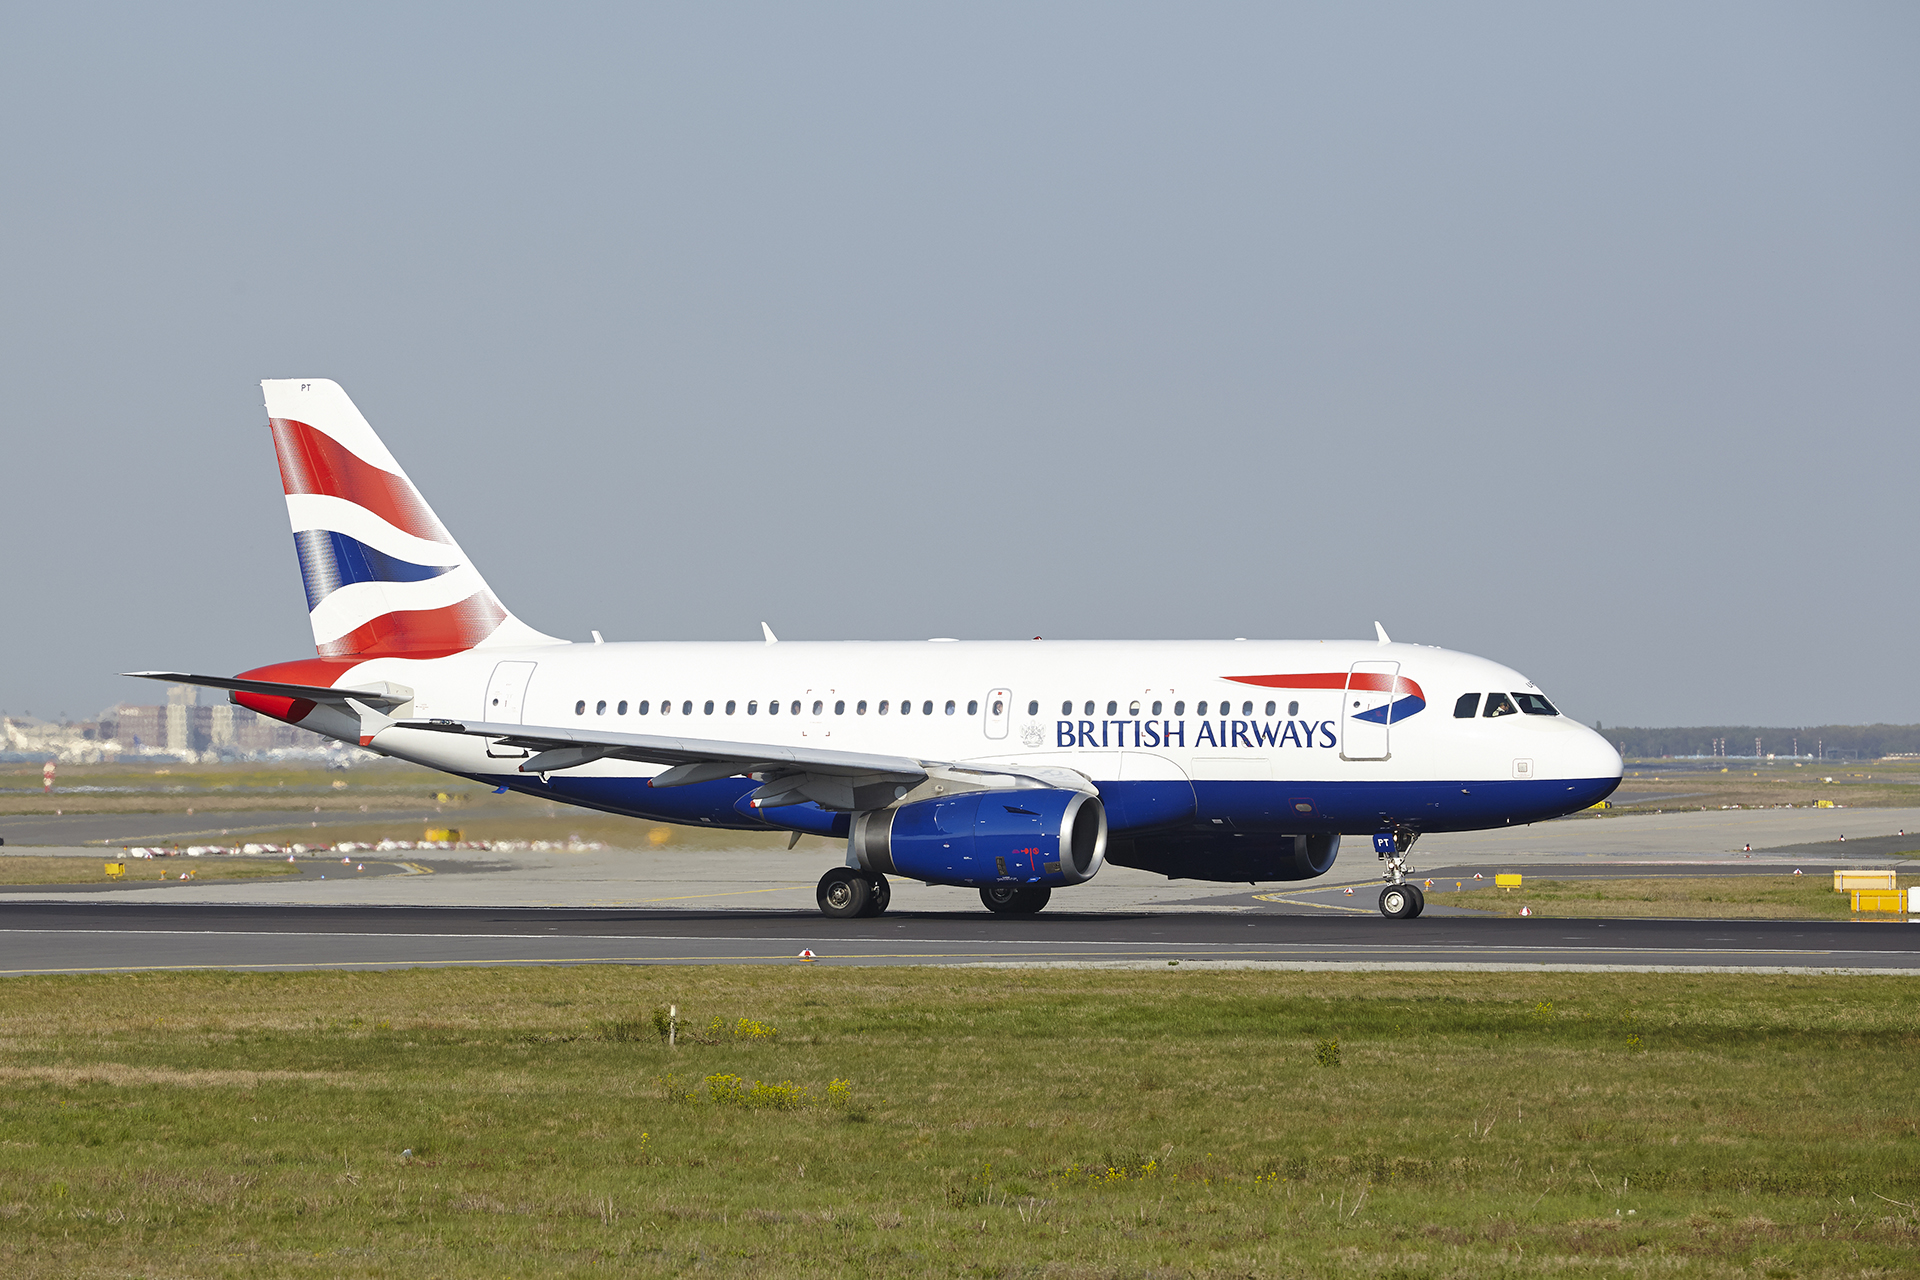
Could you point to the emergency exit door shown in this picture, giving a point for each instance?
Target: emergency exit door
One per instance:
(999, 713)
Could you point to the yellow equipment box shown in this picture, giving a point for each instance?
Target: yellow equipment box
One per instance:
(1847, 881)
(1823, 804)
(1879, 900)
(1507, 880)
(116, 869)
(449, 834)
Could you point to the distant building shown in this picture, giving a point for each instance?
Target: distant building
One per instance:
(182, 729)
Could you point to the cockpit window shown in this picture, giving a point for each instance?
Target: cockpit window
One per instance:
(1468, 707)
(1497, 705)
(1534, 705)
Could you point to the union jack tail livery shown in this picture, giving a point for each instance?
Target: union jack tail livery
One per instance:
(383, 575)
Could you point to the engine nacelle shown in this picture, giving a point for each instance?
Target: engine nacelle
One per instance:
(1251, 857)
(1047, 836)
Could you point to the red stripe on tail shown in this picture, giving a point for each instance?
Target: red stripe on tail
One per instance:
(311, 461)
(422, 633)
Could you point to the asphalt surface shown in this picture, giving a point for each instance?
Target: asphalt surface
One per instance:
(96, 936)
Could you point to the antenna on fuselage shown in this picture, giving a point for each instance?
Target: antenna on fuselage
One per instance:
(767, 631)
(1381, 632)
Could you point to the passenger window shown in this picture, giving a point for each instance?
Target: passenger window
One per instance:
(840, 707)
(1112, 707)
(1089, 710)
(644, 705)
(906, 706)
(622, 708)
(1179, 708)
(1246, 708)
(1271, 708)
(1200, 709)
(795, 708)
(580, 707)
(1468, 707)
(753, 707)
(999, 707)
(884, 703)
(730, 706)
(600, 707)
(817, 704)
(949, 707)
(773, 708)
(1156, 708)
(1534, 705)
(1293, 708)
(926, 708)
(1133, 709)
(1033, 708)
(709, 707)
(1066, 708)
(1497, 705)
(860, 708)
(686, 708)
(973, 707)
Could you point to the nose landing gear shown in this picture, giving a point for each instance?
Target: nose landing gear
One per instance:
(1401, 899)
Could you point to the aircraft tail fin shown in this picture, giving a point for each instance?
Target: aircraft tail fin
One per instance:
(383, 575)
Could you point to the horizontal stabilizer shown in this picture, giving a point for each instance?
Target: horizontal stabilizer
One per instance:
(383, 695)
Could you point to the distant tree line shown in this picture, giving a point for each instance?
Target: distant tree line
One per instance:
(1859, 741)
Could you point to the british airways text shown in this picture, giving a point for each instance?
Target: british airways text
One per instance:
(1212, 733)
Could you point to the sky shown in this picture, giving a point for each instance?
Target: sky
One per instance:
(1581, 337)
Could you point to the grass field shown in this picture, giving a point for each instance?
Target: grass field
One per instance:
(1671, 785)
(27, 869)
(966, 1122)
(1747, 897)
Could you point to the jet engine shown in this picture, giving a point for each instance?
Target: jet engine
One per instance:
(1210, 855)
(1038, 836)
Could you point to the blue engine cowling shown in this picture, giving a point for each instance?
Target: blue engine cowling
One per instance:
(1044, 836)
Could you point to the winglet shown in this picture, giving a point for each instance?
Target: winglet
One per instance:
(1382, 633)
(767, 631)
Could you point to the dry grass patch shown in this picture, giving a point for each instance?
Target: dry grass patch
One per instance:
(1746, 897)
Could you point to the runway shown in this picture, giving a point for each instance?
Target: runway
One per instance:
(42, 938)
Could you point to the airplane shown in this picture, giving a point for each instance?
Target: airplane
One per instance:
(1011, 767)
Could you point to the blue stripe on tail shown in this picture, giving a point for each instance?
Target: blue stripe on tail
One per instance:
(329, 561)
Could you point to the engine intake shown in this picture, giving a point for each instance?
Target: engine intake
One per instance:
(1040, 836)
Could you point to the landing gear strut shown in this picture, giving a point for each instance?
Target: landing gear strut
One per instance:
(1401, 899)
(845, 894)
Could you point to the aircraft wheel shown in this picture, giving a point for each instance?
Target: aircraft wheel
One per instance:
(879, 894)
(1396, 901)
(1015, 899)
(843, 893)
(1419, 900)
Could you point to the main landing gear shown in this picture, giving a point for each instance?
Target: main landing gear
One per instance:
(1015, 899)
(1401, 899)
(845, 894)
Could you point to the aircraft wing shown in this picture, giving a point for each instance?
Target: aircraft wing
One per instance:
(847, 781)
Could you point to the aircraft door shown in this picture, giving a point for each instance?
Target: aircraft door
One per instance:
(999, 713)
(1366, 711)
(506, 704)
(507, 693)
